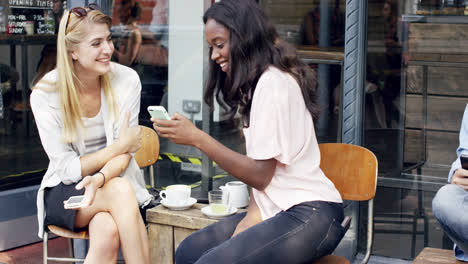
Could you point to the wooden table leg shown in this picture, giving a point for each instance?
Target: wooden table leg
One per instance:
(161, 243)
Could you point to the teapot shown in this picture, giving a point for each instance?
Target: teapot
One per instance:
(238, 193)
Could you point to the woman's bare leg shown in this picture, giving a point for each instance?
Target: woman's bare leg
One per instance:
(144, 238)
(104, 239)
(118, 199)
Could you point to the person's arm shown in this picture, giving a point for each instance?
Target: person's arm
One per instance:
(457, 175)
(129, 98)
(128, 123)
(129, 141)
(111, 169)
(460, 177)
(70, 167)
(131, 51)
(180, 130)
(309, 30)
(128, 131)
(268, 141)
(63, 158)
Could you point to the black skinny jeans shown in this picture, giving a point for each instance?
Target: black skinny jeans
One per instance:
(303, 233)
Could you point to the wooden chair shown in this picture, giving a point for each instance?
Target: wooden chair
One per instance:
(353, 170)
(147, 155)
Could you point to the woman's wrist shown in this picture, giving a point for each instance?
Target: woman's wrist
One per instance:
(101, 177)
(199, 139)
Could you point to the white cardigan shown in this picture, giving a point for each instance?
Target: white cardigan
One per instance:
(64, 158)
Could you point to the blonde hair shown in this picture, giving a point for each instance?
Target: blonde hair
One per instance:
(67, 81)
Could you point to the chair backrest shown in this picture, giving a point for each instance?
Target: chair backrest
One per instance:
(353, 170)
(148, 154)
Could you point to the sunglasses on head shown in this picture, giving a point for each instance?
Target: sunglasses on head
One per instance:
(81, 12)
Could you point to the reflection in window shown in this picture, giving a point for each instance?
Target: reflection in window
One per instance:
(140, 38)
(416, 60)
(316, 28)
(27, 52)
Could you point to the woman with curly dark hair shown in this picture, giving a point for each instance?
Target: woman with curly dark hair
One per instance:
(295, 211)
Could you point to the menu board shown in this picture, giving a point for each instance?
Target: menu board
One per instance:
(30, 17)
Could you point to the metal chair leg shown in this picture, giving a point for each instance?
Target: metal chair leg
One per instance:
(415, 229)
(151, 175)
(426, 231)
(70, 248)
(45, 237)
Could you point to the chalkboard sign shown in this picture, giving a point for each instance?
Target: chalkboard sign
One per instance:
(30, 17)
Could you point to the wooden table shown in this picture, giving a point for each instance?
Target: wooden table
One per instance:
(167, 229)
(436, 256)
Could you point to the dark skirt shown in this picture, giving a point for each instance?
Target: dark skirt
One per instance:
(56, 214)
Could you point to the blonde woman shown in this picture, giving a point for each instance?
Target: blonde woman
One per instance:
(86, 112)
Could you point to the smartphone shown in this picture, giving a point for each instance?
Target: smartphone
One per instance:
(74, 202)
(159, 112)
(464, 161)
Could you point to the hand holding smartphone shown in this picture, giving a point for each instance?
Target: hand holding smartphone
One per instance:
(159, 112)
(464, 161)
(74, 202)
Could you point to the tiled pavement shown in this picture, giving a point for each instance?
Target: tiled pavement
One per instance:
(32, 254)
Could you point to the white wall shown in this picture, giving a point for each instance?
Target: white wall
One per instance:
(187, 53)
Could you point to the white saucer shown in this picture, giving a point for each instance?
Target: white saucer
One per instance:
(178, 207)
(207, 211)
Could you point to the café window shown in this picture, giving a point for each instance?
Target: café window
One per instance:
(317, 30)
(140, 34)
(27, 52)
(417, 64)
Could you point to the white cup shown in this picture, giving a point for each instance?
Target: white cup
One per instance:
(177, 194)
(29, 27)
(238, 193)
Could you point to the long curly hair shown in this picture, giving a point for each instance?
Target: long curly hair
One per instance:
(254, 46)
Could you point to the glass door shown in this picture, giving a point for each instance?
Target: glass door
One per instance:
(414, 103)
